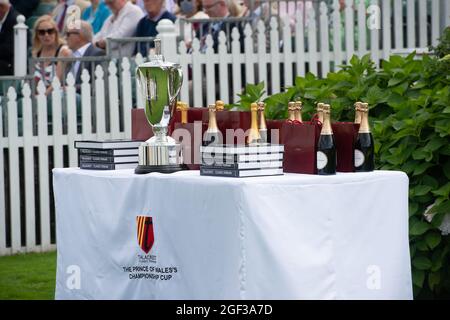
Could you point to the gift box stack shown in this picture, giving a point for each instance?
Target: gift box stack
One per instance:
(301, 140)
(107, 155)
(310, 146)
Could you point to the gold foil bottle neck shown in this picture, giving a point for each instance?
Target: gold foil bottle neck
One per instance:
(364, 126)
(291, 111)
(212, 124)
(220, 105)
(262, 118)
(326, 124)
(358, 110)
(319, 110)
(254, 136)
(298, 111)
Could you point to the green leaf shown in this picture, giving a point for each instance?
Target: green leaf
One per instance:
(419, 228)
(446, 169)
(444, 191)
(422, 263)
(395, 81)
(421, 190)
(418, 277)
(421, 168)
(433, 239)
(435, 143)
(434, 279)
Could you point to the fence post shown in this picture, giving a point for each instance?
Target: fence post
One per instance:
(20, 47)
(168, 35)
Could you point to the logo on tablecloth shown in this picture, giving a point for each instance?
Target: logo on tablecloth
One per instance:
(145, 233)
(145, 266)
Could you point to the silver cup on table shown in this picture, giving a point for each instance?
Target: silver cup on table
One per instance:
(159, 83)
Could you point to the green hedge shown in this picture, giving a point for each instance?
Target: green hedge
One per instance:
(410, 119)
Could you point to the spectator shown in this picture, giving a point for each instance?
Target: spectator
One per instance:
(191, 9)
(220, 9)
(257, 11)
(170, 5)
(122, 23)
(8, 17)
(96, 14)
(60, 13)
(79, 41)
(236, 9)
(25, 7)
(47, 44)
(156, 11)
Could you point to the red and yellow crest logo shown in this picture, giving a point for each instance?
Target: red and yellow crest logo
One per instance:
(145, 233)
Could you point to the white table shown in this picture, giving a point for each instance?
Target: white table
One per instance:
(285, 237)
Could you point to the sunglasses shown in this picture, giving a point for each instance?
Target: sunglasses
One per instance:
(42, 32)
(68, 33)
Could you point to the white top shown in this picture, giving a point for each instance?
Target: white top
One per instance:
(78, 54)
(120, 26)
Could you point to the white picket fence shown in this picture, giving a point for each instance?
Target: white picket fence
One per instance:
(58, 139)
(286, 55)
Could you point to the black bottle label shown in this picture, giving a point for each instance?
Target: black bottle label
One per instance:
(364, 153)
(326, 155)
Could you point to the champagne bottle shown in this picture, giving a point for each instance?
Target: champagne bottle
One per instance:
(364, 146)
(298, 111)
(326, 150)
(219, 105)
(254, 136)
(358, 112)
(183, 108)
(291, 111)
(212, 134)
(319, 111)
(262, 122)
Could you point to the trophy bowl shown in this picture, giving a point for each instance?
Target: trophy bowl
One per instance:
(159, 83)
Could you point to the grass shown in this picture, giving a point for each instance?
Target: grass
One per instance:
(28, 276)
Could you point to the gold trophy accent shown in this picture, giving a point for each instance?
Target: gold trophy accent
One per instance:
(254, 137)
(262, 122)
(298, 111)
(220, 105)
(358, 112)
(319, 110)
(183, 108)
(291, 111)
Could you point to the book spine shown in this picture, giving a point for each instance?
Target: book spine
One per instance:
(234, 166)
(96, 159)
(97, 166)
(236, 158)
(96, 152)
(219, 172)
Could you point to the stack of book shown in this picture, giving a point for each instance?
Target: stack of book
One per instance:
(242, 161)
(108, 155)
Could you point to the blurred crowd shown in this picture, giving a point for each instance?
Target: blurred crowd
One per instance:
(54, 33)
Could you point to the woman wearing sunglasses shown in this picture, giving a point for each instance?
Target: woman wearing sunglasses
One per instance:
(47, 43)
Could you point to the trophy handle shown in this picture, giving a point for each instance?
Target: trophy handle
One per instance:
(175, 84)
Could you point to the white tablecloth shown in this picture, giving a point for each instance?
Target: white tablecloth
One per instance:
(286, 237)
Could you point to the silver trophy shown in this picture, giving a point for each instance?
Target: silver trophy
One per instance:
(159, 83)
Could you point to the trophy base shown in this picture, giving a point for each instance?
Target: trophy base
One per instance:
(170, 168)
